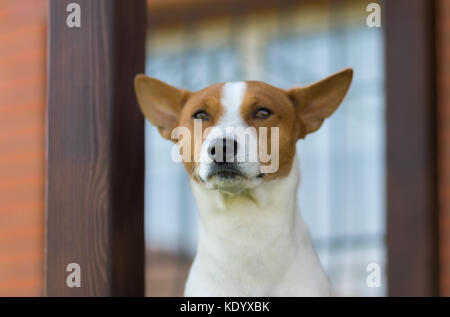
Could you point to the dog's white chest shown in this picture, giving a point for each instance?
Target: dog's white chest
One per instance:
(271, 271)
(255, 245)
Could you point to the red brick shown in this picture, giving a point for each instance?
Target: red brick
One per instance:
(22, 152)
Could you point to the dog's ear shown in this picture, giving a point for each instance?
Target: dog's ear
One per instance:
(160, 103)
(316, 102)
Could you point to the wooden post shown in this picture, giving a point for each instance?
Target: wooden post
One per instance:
(95, 150)
(411, 148)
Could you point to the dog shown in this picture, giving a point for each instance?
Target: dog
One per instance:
(252, 239)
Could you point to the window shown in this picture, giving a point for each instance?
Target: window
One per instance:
(342, 189)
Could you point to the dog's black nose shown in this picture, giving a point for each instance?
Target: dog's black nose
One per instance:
(223, 150)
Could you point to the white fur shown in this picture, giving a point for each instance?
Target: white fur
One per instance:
(255, 244)
(233, 94)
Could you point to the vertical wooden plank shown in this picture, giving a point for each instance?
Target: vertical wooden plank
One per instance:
(411, 148)
(95, 154)
(443, 117)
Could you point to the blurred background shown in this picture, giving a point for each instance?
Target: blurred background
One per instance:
(351, 193)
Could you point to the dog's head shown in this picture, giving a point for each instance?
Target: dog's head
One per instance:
(235, 135)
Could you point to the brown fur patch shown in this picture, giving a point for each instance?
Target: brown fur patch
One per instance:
(283, 116)
(258, 94)
(207, 99)
(296, 112)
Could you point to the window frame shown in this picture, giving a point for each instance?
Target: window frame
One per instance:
(411, 143)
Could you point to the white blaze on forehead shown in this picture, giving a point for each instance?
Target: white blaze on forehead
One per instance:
(232, 125)
(231, 99)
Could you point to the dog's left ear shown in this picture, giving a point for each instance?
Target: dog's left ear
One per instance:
(316, 102)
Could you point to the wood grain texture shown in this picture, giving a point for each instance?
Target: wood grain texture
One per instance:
(443, 115)
(411, 148)
(95, 190)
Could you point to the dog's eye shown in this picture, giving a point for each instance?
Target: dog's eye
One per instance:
(262, 113)
(201, 114)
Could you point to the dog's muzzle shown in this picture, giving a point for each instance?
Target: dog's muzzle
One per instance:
(226, 168)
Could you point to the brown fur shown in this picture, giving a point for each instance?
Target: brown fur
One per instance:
(296, 112)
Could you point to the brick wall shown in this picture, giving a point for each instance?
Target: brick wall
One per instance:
(443, 99)
(22, 137)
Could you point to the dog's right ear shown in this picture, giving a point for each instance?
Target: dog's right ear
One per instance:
(160, 103)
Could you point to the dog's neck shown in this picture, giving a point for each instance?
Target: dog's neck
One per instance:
(246, 224)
